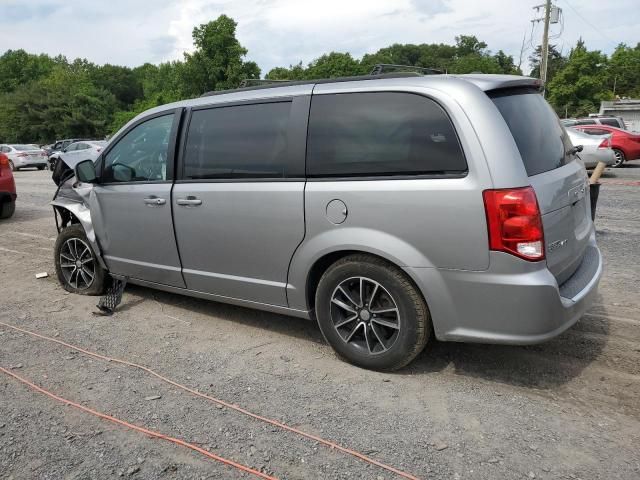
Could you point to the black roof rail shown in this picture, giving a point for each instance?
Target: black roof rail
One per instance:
(381, 68)
(287, 83)
(255, 82)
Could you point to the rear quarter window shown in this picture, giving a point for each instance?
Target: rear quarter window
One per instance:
(542, 141)
(380, 134)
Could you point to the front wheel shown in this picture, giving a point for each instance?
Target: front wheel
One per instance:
(13, 166)
(77, 267)
(7, 208)
(371, 313)
(620, 158)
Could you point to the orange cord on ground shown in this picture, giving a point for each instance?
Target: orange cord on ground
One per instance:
(146, 431)
(276, 423)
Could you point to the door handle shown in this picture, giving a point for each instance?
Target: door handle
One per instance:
(153, 200)
(189, 201)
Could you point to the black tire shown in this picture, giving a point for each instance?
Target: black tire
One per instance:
(7, 208)
(620, 158)
(64, 248)
(391, 348)
(13, 167)
(41, 167)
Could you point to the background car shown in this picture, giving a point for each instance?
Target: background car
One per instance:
(625, 144)
(58, 147)
(78, 151)
(7, 188)
(24, 156)
(595, 148)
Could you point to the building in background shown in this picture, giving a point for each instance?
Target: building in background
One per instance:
(628, 109)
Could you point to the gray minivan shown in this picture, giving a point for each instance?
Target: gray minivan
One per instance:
(389, 208)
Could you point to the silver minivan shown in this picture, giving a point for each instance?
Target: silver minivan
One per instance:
(390, 209)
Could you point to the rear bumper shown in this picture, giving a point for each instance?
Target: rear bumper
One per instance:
(514, 302)
(20, 163)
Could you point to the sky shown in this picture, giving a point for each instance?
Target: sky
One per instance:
(285, 32)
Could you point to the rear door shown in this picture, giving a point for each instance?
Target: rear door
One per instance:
(238, 206)
(559, 181)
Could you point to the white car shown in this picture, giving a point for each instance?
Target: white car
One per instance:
(24, 156)
(79, 151)
(594, 148)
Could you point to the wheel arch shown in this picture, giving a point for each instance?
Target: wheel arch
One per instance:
(322, 264)
(68, 212)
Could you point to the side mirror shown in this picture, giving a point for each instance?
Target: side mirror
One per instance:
(86, 172)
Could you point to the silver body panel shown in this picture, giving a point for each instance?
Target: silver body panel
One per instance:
(254, 243)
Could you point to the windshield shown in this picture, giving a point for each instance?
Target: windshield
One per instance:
(536, 129)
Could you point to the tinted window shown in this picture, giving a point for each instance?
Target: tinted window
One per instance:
(241, 141)
(541, 139)
(141, 155)
(585, 122)
(612, 122)
(367, 134)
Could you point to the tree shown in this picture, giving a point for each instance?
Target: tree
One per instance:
(580, 86)
(217, 63)
(623, 74)
(555, 62)
(18, 67)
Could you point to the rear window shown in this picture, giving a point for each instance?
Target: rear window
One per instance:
(542, 141)
(24, 148)
(383, 133)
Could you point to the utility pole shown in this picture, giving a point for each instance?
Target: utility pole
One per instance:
(545, 46)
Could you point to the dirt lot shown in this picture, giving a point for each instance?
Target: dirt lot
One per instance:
(569, 408)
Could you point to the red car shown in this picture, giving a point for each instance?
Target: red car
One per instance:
(625, 144)
(7, 188)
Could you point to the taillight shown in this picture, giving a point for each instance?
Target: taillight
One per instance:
(514, 222)
(44, 154)
(606, 143)
(4, 162)
(21, 155)
(99, 149)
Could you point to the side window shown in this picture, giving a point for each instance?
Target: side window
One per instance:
(240, 141)
(386, 133)
(585, 122)
(612, 122)
(81, 146)
(141, 155)
(72, 148)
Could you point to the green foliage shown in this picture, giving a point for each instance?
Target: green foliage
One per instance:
(581, 84)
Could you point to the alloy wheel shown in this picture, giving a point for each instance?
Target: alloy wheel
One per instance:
(619, 158)
(77, 264)
(365, 315)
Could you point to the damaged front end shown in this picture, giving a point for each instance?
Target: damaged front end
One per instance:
(72, 203)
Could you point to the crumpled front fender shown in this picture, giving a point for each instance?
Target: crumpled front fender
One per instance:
(81, 212)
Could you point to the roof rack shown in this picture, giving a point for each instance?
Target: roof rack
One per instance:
(255, 82)
(286, 83)
(381, 68)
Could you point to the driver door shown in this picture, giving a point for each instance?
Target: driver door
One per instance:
(131, 212)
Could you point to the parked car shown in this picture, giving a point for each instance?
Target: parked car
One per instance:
(611, 121)
(389, 208)
(625, 144)
(77, 151)
(595, 148)
(24, 156)
(7, 188)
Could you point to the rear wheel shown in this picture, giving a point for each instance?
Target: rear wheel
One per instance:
(77, 267)
(41, 167)
(13, 167)
(7, 208)
(370, 312)
(620, 158)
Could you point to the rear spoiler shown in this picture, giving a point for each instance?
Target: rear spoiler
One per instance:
(500, 82)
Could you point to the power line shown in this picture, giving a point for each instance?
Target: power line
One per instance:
(588, 22)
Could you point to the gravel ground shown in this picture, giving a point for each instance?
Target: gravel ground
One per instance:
(569, 408)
